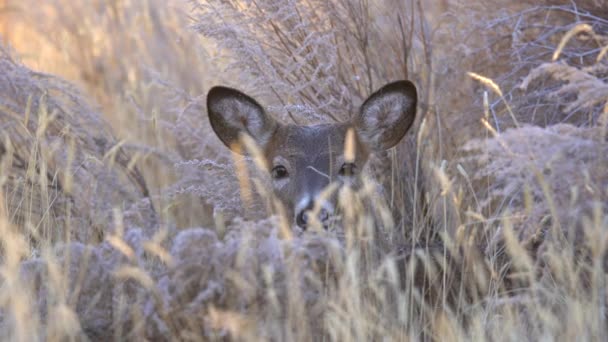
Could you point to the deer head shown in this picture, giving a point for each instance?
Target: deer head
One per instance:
(304, 160)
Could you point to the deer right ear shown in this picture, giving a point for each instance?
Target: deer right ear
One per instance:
(387, 114)
(231, 112)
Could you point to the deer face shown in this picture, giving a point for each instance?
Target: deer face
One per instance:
(303, 160)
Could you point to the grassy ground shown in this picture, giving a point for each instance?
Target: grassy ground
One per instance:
(122, 216)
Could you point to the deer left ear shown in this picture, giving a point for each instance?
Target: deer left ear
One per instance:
(232, 112)
(387, 115)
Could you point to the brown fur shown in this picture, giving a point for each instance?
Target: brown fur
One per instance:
(310, 158)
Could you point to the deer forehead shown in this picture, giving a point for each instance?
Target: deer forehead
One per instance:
(308, 143)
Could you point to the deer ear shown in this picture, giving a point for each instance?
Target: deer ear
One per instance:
(387, 115)
(231, 112)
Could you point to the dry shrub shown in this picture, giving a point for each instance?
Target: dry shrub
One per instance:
(269, 287)
(313, 61)
(110, 47)
(542, 177)
(516, 43)
(327, 56)
(529, 188)
(504, 42)
(63, 282)
(147, 69)
(64, 172)
(578, 93)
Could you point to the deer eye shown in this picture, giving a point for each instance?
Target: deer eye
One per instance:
(279, 172)
(348, 169)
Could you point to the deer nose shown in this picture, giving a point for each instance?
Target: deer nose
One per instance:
(304, 217)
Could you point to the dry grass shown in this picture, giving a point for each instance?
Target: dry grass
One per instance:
(121, 215)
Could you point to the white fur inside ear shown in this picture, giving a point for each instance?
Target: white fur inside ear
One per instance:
(380, 116)
(244, 115)
(236, 113)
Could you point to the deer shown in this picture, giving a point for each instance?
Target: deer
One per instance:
(302, 160)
